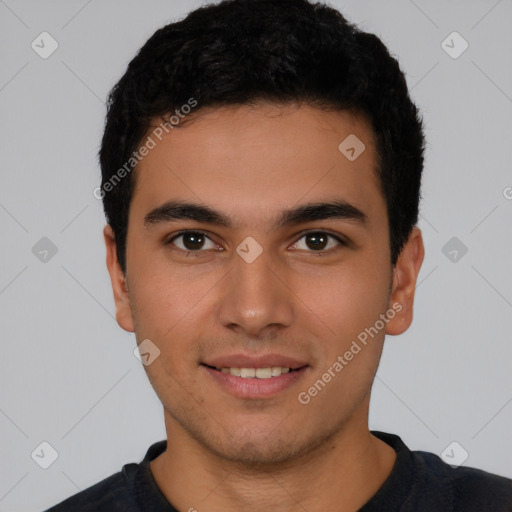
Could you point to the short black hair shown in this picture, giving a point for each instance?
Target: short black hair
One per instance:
(282, 51)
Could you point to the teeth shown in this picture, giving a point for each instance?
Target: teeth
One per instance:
(263, 373)
(258, 373)
(275, 371)
(247, 372)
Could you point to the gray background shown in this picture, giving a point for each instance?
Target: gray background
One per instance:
(68, 375)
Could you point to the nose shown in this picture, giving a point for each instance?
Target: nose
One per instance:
(255, 298)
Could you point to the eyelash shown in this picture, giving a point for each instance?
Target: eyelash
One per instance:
(342, 242)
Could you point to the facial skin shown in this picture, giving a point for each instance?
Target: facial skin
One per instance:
(251, 163)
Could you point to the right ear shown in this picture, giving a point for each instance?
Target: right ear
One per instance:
(121, 294)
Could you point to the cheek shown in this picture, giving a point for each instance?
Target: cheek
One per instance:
(347, 307)
(351, 297)
(160, 291)
(168, 305)
(157, 304)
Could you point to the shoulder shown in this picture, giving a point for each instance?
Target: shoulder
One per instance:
(422, 482)
(469, 488)
(111, 494)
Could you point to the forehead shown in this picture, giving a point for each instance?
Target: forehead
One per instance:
(251, 162)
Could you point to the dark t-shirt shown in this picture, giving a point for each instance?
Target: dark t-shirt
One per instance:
(419, 482)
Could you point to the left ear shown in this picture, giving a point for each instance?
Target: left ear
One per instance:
(405, 275)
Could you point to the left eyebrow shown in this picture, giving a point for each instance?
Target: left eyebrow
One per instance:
(339, 209)
(178, 210)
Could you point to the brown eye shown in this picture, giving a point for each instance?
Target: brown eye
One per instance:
(318, 241)
(192, 241)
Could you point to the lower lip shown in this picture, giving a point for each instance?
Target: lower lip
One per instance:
(254, 387)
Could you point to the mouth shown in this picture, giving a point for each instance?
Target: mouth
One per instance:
(269, 372)
(255, 383)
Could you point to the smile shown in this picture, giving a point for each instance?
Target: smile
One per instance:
(255, 383)
(255, 373)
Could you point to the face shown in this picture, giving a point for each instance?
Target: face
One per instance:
(256, 280)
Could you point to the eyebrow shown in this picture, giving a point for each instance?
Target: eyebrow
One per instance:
(179, 210)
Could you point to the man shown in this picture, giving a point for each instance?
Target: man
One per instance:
(261, 169)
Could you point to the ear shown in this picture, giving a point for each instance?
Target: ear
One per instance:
(405, 275)
(121, 294)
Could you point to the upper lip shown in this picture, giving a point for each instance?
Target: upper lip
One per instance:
(262, 361)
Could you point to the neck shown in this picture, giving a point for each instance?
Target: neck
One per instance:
(342, 474)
